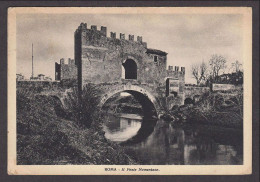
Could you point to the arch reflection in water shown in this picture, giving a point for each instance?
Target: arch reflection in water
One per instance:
(178, 145)
(153, 142)
(122, 128)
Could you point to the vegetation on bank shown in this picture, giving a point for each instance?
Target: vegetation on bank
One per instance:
(83, 109)
(221, 108)
(123, 104)
(49, 134)
(217, 108)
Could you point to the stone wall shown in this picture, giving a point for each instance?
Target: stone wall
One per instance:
(66, 71)
(177, 74)
(104, 59)
(99, 58)
(222, 87)
(39, 86)
(191, 91)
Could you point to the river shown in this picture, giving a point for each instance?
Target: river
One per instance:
(158, 142)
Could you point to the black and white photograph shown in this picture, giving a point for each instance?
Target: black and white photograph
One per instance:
(130, 90)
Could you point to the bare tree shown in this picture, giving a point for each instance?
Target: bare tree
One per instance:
(216, 63)
(203, 71)
(236, 66)
(199, 72)
(195, 72)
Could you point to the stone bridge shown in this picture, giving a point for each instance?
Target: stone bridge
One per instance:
(145, 94)
(117, 64)
(194, 93)
(142, 93)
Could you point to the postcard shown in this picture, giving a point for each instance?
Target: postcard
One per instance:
(129, 90)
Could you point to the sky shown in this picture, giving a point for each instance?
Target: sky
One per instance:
(187, 38)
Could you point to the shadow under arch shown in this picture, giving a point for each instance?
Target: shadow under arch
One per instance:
(149, 105)
(146, 99)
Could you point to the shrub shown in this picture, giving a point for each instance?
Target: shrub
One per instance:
(84, 105)
(220, 109)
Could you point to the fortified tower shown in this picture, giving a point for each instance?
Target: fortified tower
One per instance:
(103, 59)
(124, 60)
(65, 71)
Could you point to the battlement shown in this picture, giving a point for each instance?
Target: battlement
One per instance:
(176, 69)
(69, 61)
(122, 37)
(103, 32)
(104, 56)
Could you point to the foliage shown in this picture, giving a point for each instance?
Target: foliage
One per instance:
(45, 138)
(22, 97)
(218, 108)
(84, 105)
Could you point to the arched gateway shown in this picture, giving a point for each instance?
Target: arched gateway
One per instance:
(143, 96)
(117, 64)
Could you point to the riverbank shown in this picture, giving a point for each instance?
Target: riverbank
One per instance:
(46, 135)
(217, 109)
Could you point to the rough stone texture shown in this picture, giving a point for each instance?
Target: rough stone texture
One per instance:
(100, 60)
(191, 91)
(66, 71)
(144, 94)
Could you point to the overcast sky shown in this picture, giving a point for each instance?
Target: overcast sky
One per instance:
(187, 39)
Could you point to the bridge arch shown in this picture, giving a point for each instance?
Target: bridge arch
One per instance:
(144, 97)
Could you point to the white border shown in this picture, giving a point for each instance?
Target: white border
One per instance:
(246, 168)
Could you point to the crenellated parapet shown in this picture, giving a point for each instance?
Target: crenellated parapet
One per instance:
(102, 34)
(69, 62)
(175, 82)
(108, 57)
(122, 63)
(176, 72)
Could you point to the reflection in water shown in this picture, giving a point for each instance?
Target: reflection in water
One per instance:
(159, 142)
(122, 128)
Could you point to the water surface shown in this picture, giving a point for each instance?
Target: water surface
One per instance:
(157, 142)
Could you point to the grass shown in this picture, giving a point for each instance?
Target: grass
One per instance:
(43, 137)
